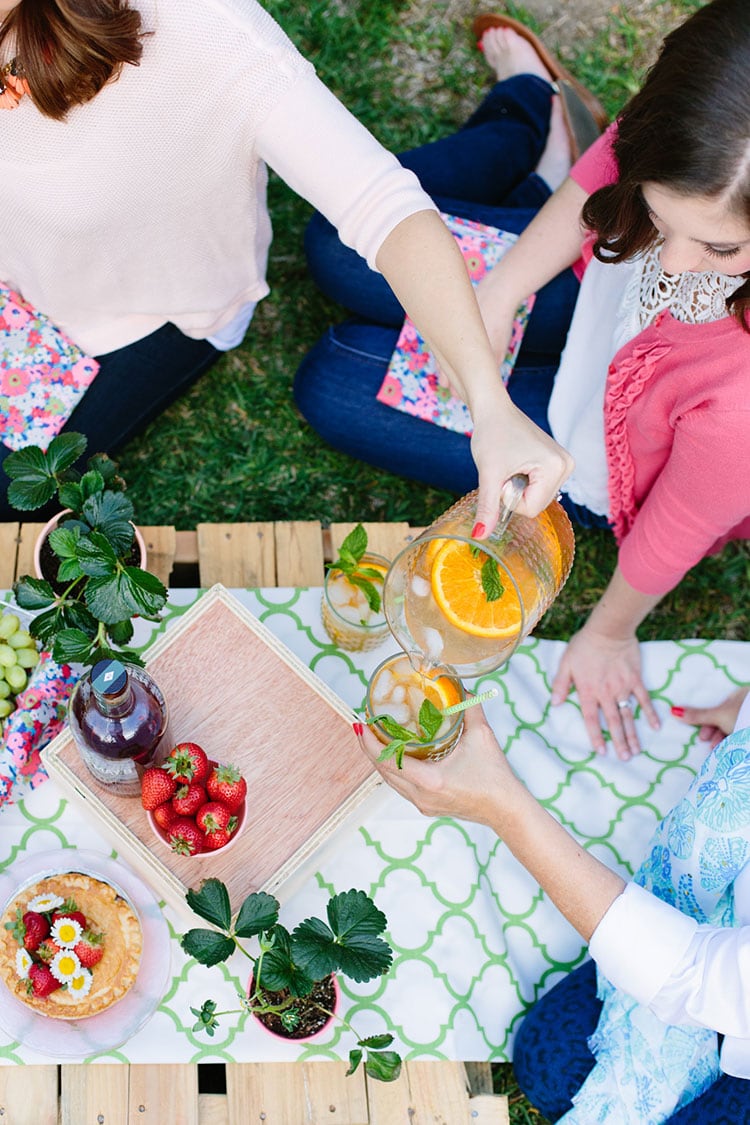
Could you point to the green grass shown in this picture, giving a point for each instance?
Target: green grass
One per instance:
(234, 448)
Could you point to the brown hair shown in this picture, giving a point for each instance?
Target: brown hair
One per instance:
(70, 49)
(688, 129)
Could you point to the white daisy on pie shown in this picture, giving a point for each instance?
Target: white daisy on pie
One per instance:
(24, 961)
(80, 984)
(42, 904)
(66, 931)
(65, 965)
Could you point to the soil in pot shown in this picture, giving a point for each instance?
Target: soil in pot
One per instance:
(312, 1019)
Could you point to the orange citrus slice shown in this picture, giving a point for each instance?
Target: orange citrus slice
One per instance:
(457, 589)
(440, 691)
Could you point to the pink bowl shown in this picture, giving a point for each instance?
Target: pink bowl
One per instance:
(163, 836)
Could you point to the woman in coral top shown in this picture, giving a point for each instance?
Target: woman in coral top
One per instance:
(651, 393)
(134, 144)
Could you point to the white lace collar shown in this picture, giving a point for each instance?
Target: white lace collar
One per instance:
(693, 298)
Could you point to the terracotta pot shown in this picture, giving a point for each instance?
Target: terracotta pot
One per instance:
(50, 526)
(301, 1038)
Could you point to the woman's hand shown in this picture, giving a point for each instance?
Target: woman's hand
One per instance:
(470, 783)
(715, 722)
(606, 672)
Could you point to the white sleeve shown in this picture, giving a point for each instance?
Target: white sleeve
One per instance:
(320, 149)
(684, 972)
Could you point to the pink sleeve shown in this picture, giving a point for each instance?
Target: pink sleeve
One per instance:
(597, 167)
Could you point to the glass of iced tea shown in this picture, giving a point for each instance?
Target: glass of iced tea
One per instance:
(398, 688)
(468, 603)
(349, 619)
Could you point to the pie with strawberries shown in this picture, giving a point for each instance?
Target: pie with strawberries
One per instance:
(70, 946)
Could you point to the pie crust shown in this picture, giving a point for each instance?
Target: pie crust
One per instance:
(107, 913)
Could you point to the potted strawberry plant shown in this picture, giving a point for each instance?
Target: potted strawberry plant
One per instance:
(291, 971)
(92, 582)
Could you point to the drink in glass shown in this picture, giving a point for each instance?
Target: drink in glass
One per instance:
(399, 686)
(347, 616)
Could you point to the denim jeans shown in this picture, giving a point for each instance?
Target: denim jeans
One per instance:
(551, 1057)
(134, 384)
(485, 171)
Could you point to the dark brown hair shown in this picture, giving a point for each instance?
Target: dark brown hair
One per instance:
(70, 49)
(687, 130)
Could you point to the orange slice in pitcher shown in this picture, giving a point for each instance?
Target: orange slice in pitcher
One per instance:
(457, 588)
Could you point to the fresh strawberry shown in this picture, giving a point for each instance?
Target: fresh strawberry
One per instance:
(41, 980)
(188, 762)
(35, 930)
(213, 816)
(77, 915)
(48, 949)
(185, 837)
(227, 785)
(212, 841)
(188, 799)
(89, 949)
(157, 787)
(164, 815)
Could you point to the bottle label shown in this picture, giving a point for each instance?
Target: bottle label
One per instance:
(118, 773)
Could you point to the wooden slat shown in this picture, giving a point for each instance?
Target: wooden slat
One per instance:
(298, 1093)
(8, 544)
(213, 1109)
(237, 554)
(94, 1095)
(27, 536)
(161, 1093)
(17, 1106)
(299, 553)
(489, 1109)
(426, 1093)
(479, 1077)
(161, 545)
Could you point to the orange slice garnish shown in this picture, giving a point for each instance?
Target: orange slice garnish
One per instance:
(441, 691)
(456, 581)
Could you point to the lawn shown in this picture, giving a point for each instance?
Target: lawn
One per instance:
(235, 448)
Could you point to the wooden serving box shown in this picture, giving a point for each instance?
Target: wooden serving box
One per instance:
(235, 689)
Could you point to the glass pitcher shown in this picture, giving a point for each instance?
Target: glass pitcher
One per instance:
(469, 603)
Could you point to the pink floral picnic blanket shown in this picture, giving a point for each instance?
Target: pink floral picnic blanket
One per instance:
(43, 374)
(411, 382)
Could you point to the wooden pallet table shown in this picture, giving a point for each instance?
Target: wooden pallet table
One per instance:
(427, 1093)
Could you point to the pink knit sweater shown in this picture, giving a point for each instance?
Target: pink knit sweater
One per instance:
(677, 431)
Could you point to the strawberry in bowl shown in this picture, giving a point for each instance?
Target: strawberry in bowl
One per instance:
(195, 806)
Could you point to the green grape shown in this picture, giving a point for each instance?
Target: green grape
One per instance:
(6, 707)
(21, 639)
(16, 677)
(4, 689)
(9, 623)
(27, 657)
(7, 656)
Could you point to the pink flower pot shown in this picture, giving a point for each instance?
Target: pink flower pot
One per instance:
(50, 526)
(302, 1038)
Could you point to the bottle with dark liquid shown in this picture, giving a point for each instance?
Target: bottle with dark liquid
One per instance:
(117, 717)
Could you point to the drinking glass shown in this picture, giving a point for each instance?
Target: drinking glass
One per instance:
(347, 618)
(399, 686)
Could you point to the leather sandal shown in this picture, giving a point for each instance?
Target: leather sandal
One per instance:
(584, 116)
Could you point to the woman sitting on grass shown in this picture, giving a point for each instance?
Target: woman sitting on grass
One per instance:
(671, 948)
(651, 393)
(135, 143)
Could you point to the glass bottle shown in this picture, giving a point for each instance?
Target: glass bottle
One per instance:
(117, 716)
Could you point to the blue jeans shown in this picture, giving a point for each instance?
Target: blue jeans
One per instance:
(485, 172)
(551, 1057)
(133, 386)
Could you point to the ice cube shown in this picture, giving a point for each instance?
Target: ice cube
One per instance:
(381, 689)
(416, 698)
(398, 695)
(400, 713)
(434, 643)
(339, 592)
(352, 613)
(420, 586)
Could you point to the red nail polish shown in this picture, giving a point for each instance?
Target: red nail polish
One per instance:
(358, 729)
(478, 531)
(678, 712)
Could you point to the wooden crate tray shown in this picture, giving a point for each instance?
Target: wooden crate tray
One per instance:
(245, 698)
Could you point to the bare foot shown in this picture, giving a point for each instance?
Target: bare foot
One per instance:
(508, 53)
(554, 163)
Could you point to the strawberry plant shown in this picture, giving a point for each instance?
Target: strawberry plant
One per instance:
(85, 609)
(287, 966)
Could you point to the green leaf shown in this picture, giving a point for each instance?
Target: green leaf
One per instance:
(355, 542)
(128, 654)
(69, 571)
(290, 1019)
(105, 466)
(355, 1058)
(383, 1065)
(371, 593)
(70, 495)
(91, 483)
(356, 922)
(109, 598)
(314, 948)
(96, 556)
(430, 719)
(211, 901)
(376, 1042)
(394, 749)
(64, 450)
(393, 729)
(148, 594)
(63, 542)
(31, 486)
(491, 584)
(207, 946)
(72, 646)
(33, 593)
(111, 513)
(258, 913)
(278, 969)
(121, 632)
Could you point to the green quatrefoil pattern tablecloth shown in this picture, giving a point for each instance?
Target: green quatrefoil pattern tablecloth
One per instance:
(475, 941)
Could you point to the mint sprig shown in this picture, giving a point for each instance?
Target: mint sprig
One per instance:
(491, 584)
(429, 719)
(351, 553)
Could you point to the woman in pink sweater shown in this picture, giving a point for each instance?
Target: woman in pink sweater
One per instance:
(135, 137)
